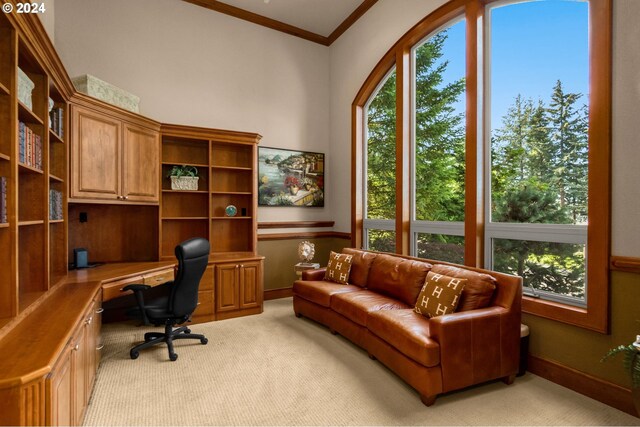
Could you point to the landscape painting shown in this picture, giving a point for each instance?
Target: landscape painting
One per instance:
(290, 178)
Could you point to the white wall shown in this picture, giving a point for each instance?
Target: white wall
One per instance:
(197, 67)
(48, 17)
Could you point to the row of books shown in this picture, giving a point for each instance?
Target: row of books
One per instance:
(55, 204)
(30, 147)
(56, 121)
(3, 200)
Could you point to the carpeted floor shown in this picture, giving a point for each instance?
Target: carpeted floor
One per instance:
(276, 369)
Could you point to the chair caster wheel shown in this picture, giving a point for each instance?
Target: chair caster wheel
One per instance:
(187, 331)
(204, 341)
(173, 357)
(134, 354)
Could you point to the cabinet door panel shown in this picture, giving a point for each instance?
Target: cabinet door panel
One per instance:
(140, 164)
(80, 363)
(95, 156)
(250, 289)
(60, 389)
(227, 288)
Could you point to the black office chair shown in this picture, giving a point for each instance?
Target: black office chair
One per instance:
(178, 302)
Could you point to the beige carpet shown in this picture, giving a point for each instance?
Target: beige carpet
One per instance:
(275, 369)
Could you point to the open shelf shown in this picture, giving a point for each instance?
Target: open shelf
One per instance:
(225, 155)
(184, 151)
(3, 89)
(203, 182)
(26, 115)
(30, 169)
(55, 178)
(32, 276)
(239, 193)
(185, 191)
(230, 217)
(237, 168)
(28, 223)
(4, 225)
(5, 157)
(54, 137)
(174, 232)
(198, 165)
(56, 221)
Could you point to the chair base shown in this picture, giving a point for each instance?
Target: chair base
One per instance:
(170, 334)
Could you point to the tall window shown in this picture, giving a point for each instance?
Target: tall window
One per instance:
(380, 171)
(439, 143)
(539, 146)
(509, 127)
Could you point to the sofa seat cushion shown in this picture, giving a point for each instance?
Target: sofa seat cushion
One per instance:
(408, 332)
(356, 306)
(320, 291)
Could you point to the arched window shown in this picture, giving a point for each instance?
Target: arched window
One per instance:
(483, 138)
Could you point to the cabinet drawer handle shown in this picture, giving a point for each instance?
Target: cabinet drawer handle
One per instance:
(89, 320)
(76, 347)
(125, 197)
(100, 347)
(100, 310)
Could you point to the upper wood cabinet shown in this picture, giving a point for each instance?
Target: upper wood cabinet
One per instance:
(113, 158)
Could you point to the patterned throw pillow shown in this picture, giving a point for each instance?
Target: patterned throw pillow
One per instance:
(439, 295)
(338, 268)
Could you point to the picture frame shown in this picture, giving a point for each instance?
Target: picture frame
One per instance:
(290, 177)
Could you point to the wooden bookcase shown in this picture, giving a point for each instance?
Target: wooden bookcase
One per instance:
(226, 163)
(34, 240)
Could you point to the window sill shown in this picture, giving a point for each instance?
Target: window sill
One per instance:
(577, 316)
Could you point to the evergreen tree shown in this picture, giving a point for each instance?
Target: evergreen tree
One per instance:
(568, 132)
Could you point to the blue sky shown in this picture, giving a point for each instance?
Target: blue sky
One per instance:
(533, 44)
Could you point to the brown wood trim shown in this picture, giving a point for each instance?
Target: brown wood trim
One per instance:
(219, 135)
(245, 15)
(627, 264)
(583, 383)
(474, 158)
(309, 235)
(270, 294)
(351, 19)
(296, 224)
(403, 148)
(95, 104)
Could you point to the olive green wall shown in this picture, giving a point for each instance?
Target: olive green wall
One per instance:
(282, 255)
(581, 349)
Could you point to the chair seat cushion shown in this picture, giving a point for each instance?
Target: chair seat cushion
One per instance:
(320, 291)
(408, 332)
(356, 306)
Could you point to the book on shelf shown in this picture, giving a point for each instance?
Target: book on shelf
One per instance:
(30, 147)
(55, 204)
(56, 120)
(3, 200)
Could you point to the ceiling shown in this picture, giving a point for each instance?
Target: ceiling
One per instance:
(320, 21)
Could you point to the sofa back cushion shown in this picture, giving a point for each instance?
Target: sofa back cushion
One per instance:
(360, 266)
(479, 288)
(398, 277)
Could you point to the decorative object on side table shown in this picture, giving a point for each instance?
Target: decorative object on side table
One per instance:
(290, 178)
(184, 178)
(631, 363)
(306, 251)
(230, 210)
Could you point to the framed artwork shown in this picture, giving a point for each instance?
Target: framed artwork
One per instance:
(290, 178)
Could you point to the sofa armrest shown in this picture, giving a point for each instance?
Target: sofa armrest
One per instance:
(317, 274)
(477, 345)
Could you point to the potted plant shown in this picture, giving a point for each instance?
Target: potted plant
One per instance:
(183, 177)
(631, 363)
(293, 184)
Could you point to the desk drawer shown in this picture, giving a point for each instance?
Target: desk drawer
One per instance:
(114, 289)
(158, 277)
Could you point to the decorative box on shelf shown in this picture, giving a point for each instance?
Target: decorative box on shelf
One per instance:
(25, 87)
(106, 92)
(189, 183)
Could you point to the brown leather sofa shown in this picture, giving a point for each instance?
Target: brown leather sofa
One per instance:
(375, 311)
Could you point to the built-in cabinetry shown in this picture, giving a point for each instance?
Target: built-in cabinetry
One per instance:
(114, 155)
(238, 288)
(33, 174)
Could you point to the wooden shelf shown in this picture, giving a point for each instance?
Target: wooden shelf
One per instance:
(30, 169)
(56, 221)
(247, 193)
(28, 298)
(236, 168)
(231, 217)
(28, 223)
(185, 191)
(5, 157)
(26, 115)
(198, 165)
(55, 178)
(4, 225)
(54, 137)
(184, 218)
(3, 89)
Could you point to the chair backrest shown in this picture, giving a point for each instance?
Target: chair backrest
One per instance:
(193, 257)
